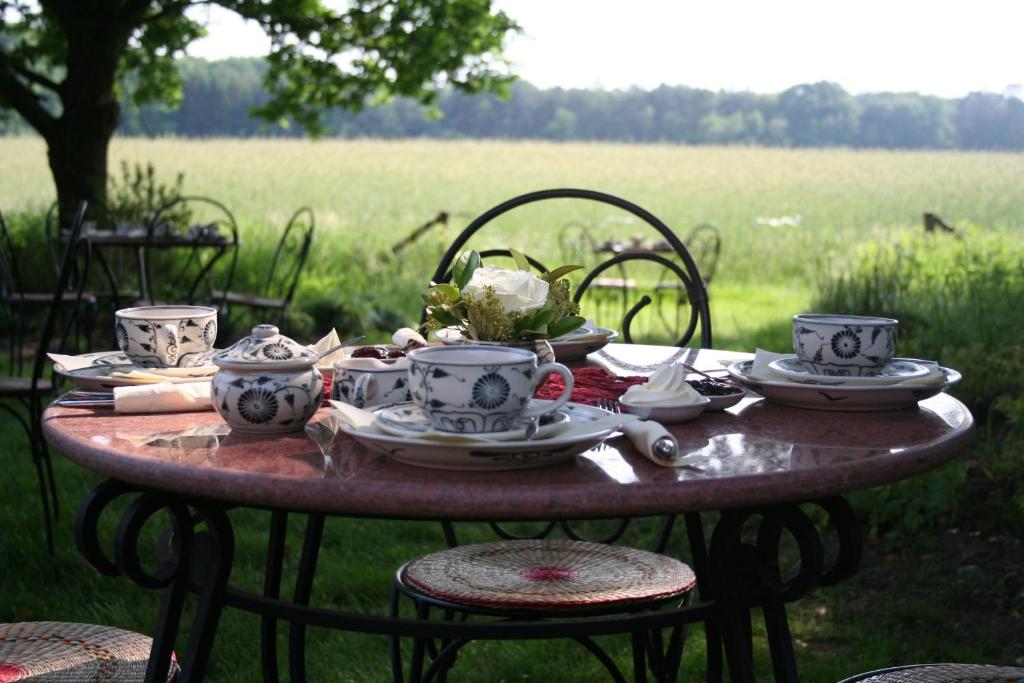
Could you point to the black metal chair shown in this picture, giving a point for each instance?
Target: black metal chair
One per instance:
(942, 673)
(204, 227)
(681, 264)
(282, 278)
(647, 647)
(29, 392)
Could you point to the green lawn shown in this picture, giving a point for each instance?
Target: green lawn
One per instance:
(951, 592)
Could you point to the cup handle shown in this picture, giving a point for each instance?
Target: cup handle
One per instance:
(170, 344)
(542, 372)
(363, 386)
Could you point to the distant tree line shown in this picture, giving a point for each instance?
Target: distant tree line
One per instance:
(218, 95)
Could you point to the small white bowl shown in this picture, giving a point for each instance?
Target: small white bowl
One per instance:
(725, 400)
(666, 414)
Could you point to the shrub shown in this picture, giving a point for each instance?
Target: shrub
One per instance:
(958, 301)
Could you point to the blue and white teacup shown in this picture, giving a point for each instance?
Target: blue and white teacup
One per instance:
(479, 389)
(369, 382)
(844, 345)
(166, 336)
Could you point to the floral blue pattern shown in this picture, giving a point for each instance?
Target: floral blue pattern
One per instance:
(490, 391)
(845, 343)
(277, 351)
(257, 405)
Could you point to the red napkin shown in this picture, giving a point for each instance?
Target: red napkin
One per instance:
(589, 386)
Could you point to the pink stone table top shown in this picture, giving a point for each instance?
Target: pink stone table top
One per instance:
(754, 453)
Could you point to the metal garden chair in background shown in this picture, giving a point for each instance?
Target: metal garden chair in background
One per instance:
(282, 277)
(419, 579)
(57, 331)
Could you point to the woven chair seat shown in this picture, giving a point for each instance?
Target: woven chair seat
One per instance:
(548, 574)
(942, 673)
(59, 652)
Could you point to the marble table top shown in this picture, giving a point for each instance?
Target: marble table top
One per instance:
(754, 453)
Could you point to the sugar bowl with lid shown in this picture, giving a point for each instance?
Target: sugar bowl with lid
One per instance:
(267, 383)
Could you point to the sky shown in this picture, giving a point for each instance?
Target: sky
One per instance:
(942, 47)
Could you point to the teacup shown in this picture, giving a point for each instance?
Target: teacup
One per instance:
(166, 336)
(844, 345)
(479, 389)
(368, 382)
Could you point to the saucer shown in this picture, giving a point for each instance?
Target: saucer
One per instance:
(410, 421)
(100, 374)
(467, 455)
(572, 346)
(845, 397)
(895, 371)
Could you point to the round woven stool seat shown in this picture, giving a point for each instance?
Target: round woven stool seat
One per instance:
(942, 673)
(56, 652)
(548, 574)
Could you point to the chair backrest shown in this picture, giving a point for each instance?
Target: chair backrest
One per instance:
(681, 265)
(10, 278)
(705, 245)
(196, 218)
(74, 268)
(291, 254)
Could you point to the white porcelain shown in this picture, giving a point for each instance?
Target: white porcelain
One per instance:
(718, 403)
(475, 388)
(844, 345)
(488, 455)
(666, 414)
(166, 336)
(409, 420)
(567, 348)
(267, 383)
(896, 370)
(368, 382)
(845, 398)
(101, 375)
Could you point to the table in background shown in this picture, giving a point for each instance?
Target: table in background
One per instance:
(759, 460)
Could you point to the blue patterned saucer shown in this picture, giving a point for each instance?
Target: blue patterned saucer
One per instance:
(895, 371)
(408, 420)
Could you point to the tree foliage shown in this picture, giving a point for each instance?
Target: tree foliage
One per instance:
(65, 65)
(217, 95)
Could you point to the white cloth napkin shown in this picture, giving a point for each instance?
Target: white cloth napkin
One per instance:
(163, 398)
(641, 433)
(330, 340)
(70, 362)
(760, 370)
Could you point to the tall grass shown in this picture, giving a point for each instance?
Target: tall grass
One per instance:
(369, 194)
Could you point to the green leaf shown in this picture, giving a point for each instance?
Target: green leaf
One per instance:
(545, 316)
(444, 316)
(565, 325)
(522, 263)
(558, 273)
(451, 292)
(462, 271)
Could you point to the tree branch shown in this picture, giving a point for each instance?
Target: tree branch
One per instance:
(34, 77)
(21, 99)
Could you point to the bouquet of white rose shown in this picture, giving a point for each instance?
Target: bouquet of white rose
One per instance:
(496, 304)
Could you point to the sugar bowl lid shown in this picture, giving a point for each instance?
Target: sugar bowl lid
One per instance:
(266, 348)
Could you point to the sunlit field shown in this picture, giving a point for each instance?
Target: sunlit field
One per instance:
(369, 194)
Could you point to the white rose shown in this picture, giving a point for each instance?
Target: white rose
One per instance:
(518, 290)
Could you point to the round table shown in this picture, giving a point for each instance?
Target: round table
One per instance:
(756, 459)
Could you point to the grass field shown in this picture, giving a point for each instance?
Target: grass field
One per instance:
(952, 593)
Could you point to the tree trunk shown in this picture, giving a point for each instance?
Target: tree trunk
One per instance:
(77, 145)
(77, 151)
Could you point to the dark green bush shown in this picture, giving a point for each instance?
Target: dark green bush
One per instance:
(958, 302)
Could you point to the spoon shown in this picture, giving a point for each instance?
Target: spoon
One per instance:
(347, 342)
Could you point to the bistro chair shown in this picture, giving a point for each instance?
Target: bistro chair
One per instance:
(490, 571)
(185, 239)
(57, 651)
(18, 306)
(28, 393)
(942, 673)
(680, 266)
(282, 277)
